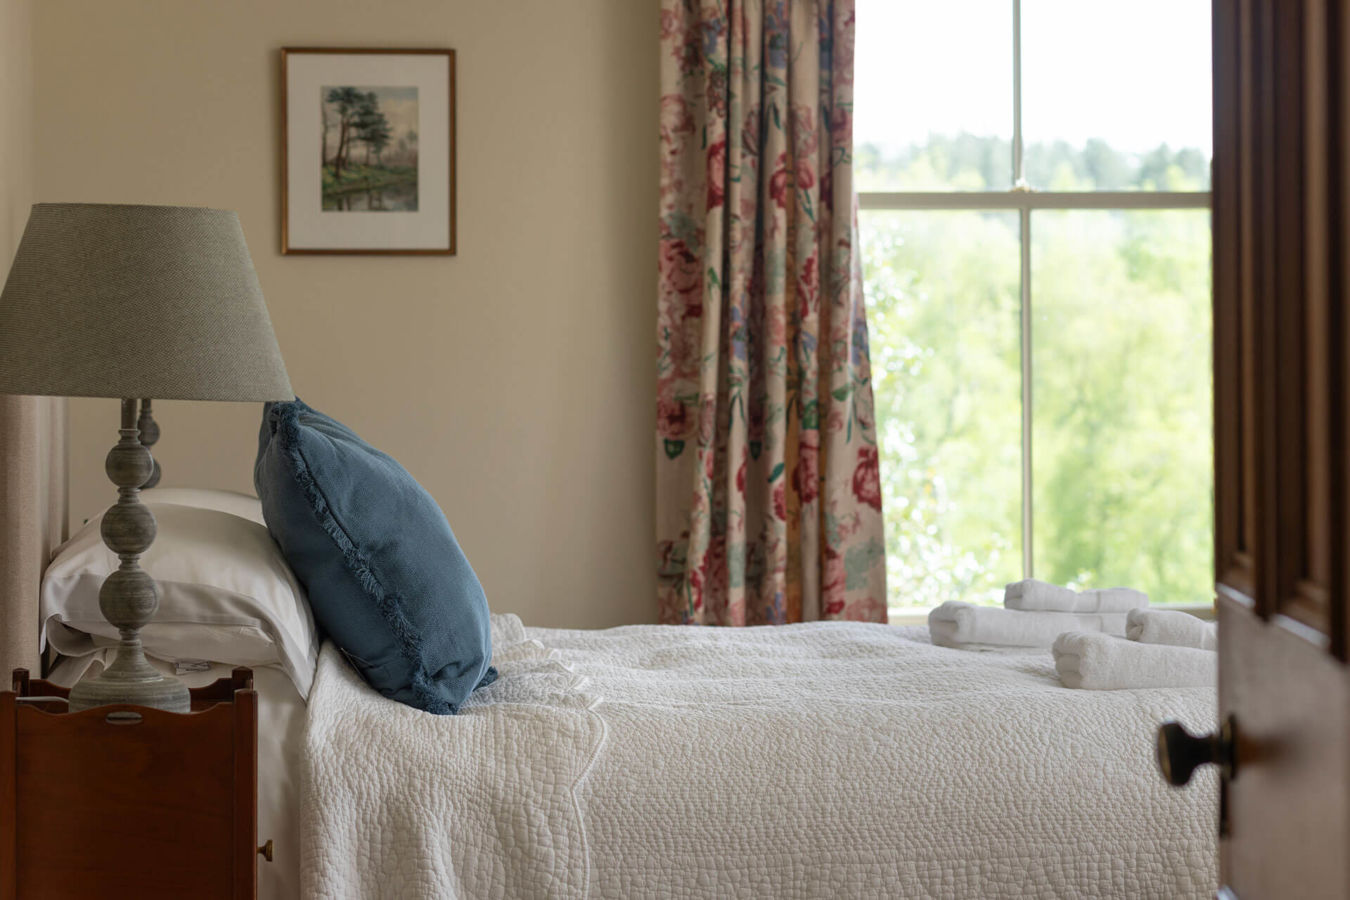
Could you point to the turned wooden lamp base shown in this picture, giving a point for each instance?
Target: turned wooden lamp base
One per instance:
(129, 596)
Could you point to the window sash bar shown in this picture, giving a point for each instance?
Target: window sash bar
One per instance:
(1018, 163)
(1028, 558)
(1020, 187)
(1020, 199)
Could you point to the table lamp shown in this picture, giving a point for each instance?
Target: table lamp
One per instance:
(135, 302)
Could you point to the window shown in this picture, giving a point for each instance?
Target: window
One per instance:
(1034, 184)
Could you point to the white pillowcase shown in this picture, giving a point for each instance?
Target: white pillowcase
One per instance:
(226, 593)
(245, 506)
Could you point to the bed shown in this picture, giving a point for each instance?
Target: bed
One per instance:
(821, 760)
(817, 760)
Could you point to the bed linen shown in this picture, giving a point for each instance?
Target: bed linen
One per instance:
(226, 593)
(819, 760)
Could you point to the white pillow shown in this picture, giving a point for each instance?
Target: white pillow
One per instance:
(246, 506)
(226, 593)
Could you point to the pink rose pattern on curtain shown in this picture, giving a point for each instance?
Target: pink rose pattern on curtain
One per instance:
(768, 495)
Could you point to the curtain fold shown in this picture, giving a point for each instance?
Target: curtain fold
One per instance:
(32, 518)
(768, 495)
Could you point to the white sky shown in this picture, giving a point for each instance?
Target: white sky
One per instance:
(1136, 74)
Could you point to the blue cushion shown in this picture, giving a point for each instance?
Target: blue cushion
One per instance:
(384, 573)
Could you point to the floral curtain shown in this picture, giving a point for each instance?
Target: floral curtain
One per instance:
(768, 496)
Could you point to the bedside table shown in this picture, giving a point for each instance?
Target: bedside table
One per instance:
(126, 801)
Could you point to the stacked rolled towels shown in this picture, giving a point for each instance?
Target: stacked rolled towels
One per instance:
(1100, 662)
(1033, 615)
(1164, 648)
(969, 627)
(1101, 639)
(1031, 594)
(1171, 627)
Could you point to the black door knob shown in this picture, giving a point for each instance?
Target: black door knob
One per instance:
(1180, 753)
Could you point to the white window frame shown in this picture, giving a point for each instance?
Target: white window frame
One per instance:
(1022, 198)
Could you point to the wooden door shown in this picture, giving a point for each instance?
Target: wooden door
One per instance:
(1281, 270)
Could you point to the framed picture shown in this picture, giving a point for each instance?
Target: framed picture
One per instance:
(368, 140)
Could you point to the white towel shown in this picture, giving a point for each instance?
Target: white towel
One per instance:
(1100, 662)
(1030, 594)
(961, 625)
(1171, 626)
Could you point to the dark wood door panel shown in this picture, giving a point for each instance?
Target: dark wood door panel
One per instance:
(1281, 195)
(1278, 283)
(1230, 228)
(1288, 812)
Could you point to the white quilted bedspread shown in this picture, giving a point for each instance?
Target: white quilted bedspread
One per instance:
(810, 761)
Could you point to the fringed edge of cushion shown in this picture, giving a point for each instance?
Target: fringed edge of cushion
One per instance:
(389, 605)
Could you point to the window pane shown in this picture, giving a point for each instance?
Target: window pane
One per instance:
(933, 95)
(1122, 454)
(942, 295)
(1116, 96)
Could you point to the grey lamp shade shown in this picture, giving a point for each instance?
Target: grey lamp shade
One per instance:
(137, 301)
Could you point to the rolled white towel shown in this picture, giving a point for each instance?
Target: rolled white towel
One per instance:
(1030, 594)
(962, 625)
(1100, 662)
(1172, 627)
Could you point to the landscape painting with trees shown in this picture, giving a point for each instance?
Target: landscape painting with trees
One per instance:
(369, 148)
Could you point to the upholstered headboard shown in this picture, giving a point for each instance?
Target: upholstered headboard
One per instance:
(32, 517)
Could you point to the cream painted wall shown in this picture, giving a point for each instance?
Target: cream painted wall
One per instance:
(515, 380)
(16, 122)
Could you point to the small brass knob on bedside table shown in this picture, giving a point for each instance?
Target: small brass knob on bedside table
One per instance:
(1180, 753)
(265, 851)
